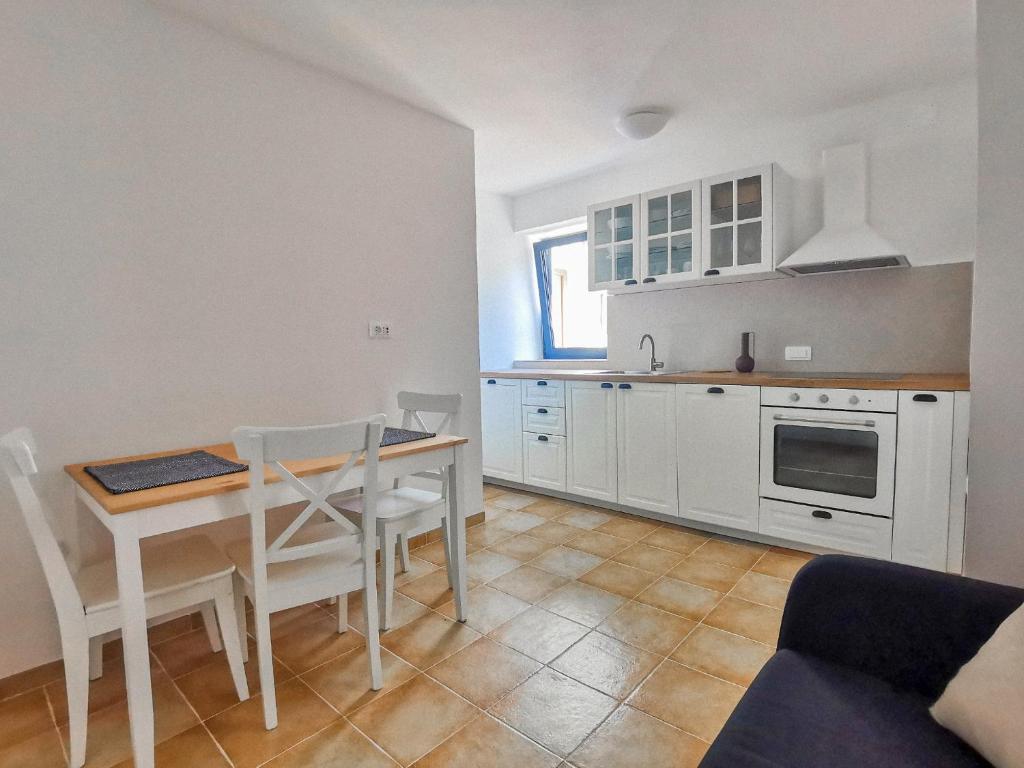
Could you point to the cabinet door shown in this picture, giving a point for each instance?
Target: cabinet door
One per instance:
(592, 468)
(924, 461)
(613, 235)
(501, 425)
(718, 431)
(647, 447)
(544, 461)
(737, 223)
(670, 234)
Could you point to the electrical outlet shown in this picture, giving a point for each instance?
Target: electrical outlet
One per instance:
(798, 353)
(380, 329)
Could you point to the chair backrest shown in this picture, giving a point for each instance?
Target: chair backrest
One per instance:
(444, 408)
(18, 457)
(271, 446)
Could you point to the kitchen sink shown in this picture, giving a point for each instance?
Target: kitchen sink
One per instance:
(643, 373)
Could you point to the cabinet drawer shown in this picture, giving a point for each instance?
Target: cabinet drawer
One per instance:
(544, 461)
(544, 392)
(492, 382)
(548, 420)
(830, 528)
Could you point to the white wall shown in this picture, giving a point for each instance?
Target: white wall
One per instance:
(509, 303)
(995, 514)
(196, 233)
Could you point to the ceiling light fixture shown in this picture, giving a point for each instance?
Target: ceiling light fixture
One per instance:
(641, 124)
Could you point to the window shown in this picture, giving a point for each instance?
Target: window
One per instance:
(574, 320)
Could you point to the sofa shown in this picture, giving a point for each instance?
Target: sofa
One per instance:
(865, 648)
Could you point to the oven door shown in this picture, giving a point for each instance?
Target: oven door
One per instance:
(839, 459)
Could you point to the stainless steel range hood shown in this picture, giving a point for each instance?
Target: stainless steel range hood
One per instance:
(847, 242)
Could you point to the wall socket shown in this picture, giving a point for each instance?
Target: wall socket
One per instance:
(798, 353)
(380, 329)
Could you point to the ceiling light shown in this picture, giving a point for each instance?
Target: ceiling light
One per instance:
(641, 124)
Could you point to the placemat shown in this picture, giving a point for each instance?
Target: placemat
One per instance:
(396, 436)
(129, 476)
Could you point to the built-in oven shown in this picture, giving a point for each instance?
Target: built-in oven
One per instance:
(833, 448)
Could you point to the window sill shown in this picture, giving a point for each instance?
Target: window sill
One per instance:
(582, 364)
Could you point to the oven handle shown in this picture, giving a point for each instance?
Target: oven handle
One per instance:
(840, 422)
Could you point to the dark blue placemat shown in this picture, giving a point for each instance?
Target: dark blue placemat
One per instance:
(396, 436)
(139, 475)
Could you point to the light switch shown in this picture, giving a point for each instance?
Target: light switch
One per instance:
(798, 353)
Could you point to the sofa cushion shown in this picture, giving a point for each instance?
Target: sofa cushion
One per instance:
(801, 712)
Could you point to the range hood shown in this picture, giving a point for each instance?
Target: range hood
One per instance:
(847, 242)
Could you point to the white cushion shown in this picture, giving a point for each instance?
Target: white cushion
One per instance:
(984, 703)
(391, 504)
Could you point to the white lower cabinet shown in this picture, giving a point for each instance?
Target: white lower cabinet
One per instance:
(544, 461)
(592, 461)
(829, 528)
(502, 429)
(646, 438)
(718, 430)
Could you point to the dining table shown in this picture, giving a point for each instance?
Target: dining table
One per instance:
(133, 516)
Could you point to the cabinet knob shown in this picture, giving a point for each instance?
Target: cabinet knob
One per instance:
(491, 381)
(650, 280)
(606, 385)
(542, 383)
(822, 398)
(795, 397)
(625, 386)
(542, 438)
(716, 391)
(542, 410)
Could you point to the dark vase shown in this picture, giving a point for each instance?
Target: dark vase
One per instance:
(745, 363)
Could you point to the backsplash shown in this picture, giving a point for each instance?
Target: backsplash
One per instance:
(908, 320)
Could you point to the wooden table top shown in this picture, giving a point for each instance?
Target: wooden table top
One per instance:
(120, 503)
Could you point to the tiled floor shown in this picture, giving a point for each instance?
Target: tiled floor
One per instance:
(594, 640)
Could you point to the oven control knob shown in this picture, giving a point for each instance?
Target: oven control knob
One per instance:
(794, 397)
(822, 398)
(854, 399)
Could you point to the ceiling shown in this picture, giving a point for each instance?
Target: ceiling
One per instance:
(542, 81)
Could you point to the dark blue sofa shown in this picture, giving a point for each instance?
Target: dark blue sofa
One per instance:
(865, 648)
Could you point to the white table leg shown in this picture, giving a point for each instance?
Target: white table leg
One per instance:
(131, 597)
(457, 529)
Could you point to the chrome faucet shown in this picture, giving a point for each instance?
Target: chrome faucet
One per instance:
(655, 365)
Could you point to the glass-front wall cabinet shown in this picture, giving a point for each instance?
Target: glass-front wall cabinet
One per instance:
(613, 230)
(670, 241)
(737, 222)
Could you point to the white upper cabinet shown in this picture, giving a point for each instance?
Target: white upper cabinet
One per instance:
(592, 468)
(670, 240)
(502, 428)
(613, 239)
(647, 447)
(737, 236)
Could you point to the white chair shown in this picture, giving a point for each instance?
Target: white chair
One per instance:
(309, 560)
(178, 575)
(402, 511)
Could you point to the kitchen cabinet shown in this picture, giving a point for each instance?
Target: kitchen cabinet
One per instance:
(646, 442)
(613, 234)
(592, 462)
(718, 430)
(670, 238)
(924, 466)
(737, 225)
(546, 392)
(502, 429)
(544, 461)
(829, 528)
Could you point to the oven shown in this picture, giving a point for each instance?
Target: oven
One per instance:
(833, 448)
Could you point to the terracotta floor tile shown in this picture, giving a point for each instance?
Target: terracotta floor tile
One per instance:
(548, 508)
(716, 576)
(485, 565)
(606, 664)
(486, 535)
(403, 610)
(588, 519)
(432, 590)
(428, 640)
(690, 700)
(778, 565)
(42, 750)
(189, 651)
(345, 681)
(211, 689)
(484, 671)
(554, 532)
(518, 522)
(522, 547)
(630, 738)
(758, 622)
(434, 552)
(339, 744)
(597, 543)
(528, 583)
(36, 677)
(24, 716)
(489, 608)
(414, 718)
(648, 558)
(619, 579)
(110, 688)
(675, 540)
(417, 567)
(283, 622)
(510, 500)
(646, 627)
(242, 734)
(730, 553)
(798, 553)
(563, 561)
(723, 654)
(678, 597)
(490, 491)
(539, 634)
(759, 588)
(189, 749)
(488, 742)
(554, 710)
(314, 643)
(582, 603)
(628, 528)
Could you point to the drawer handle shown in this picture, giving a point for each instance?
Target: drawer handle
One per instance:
(630, 282)
(625, 386)
(491, 381)
(544, 439)
(822, 514)
(650, 280)
(606, 385)
(711, 272)
(716, 391)
(925, 399)
(542, 410)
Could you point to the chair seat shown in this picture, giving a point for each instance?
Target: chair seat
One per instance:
(292, 572)
(166, 567)
(392, 504)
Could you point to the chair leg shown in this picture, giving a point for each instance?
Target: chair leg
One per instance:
(370, 614)
(96, 657)
(76, 680)
(225, 605)
(342, 602)
(446, 537)
(388, 597)
(243, 638)
(266, 662)
(210, 622)
(403, 551)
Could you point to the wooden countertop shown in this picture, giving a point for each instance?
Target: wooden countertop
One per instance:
(118, 503)
(946, 382)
